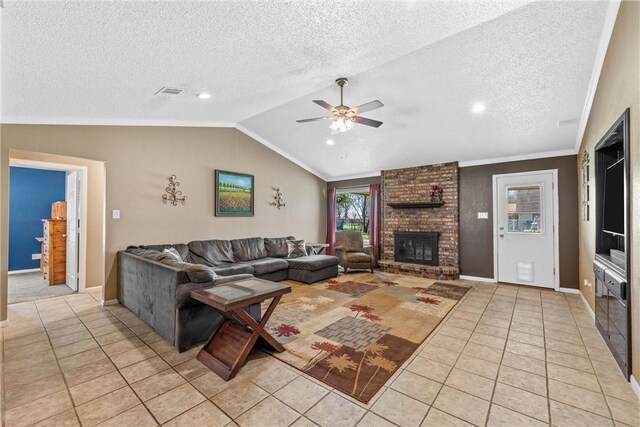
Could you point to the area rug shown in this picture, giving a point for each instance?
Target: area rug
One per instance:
(355, 331)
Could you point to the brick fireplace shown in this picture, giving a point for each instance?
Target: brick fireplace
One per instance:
(406, 213)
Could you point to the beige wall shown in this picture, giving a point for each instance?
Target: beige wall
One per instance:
(138, 161)
(618, 89)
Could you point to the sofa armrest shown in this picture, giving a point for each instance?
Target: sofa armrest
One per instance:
(341, 253)
(221, 280)
(368, 249)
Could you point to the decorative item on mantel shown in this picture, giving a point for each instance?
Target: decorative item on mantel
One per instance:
(436, 194)
(173, 195)
(278, 200)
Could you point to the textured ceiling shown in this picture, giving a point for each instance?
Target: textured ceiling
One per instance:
(263, 63)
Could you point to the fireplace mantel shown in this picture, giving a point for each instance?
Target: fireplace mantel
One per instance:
(415, 205)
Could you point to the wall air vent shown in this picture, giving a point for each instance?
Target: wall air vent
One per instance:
(169, 91)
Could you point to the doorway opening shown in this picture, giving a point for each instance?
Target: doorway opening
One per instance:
(45, 218)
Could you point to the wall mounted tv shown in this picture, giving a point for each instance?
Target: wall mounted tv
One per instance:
(613, 215)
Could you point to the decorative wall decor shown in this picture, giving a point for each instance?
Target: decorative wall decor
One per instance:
(172, 194)
(585, 186)
(278, 201)
(435, 194)
(234, 194)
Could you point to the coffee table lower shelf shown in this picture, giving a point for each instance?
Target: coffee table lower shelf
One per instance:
(227, 349)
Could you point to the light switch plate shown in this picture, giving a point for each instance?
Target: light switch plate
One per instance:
(115, 214)
(483, 215)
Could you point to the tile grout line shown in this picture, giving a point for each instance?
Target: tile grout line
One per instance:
(595, 372)
(504, 349)
(456, 361)
(64, 379)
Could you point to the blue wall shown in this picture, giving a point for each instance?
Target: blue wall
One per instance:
(31, 192)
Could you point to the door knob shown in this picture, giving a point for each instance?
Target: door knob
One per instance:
(501, 228)
(64, 235)
(501, 235)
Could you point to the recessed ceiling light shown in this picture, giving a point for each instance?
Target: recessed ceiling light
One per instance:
(330, 142)
(204, 95)
(478, 107)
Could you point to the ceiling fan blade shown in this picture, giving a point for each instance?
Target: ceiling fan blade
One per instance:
(315, 119)
(367, 122)
(324, 104)
(367, 107)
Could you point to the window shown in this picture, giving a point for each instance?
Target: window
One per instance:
(352, 211)
(524, 209)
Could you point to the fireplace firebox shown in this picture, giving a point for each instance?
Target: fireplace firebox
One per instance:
(416, 247)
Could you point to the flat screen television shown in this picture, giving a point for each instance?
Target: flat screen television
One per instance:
(613, 215)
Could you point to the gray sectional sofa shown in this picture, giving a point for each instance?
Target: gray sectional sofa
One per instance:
(156, 285)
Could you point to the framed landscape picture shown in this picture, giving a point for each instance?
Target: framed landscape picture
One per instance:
(234, 194)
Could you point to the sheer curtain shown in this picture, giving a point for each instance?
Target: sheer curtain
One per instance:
(374, 231)
(331, 220)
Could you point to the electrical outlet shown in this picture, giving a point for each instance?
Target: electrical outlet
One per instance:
(36, 256)
(483, 215)
(587, 283)
(115, 214)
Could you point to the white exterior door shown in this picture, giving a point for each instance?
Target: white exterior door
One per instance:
(73, 219)
(525, 227)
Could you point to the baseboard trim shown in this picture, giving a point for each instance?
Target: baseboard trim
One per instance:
(586, 303)
(569, 290)
(30, 270)
(4, 323)
(635, 386)
(477, 279)
(110, 302)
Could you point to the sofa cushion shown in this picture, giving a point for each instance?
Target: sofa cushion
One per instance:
(182, 249)
(359, 257)
(211, 252)
(249, 249)
(313, 262)
(350, 240)
(231, 269)
(195, 272)
(268, 265)
(277, 246)
(183, 292)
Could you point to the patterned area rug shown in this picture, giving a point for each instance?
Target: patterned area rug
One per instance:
(355, 331)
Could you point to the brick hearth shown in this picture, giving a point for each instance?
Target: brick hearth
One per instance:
(412, 185)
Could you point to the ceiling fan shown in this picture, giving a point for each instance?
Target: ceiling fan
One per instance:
(344, 116)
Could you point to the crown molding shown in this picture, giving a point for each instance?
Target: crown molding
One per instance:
(533, 156)
(69, 121)
(355, 176)
(598, 63)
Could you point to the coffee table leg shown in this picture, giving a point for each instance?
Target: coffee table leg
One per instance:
(258, 328)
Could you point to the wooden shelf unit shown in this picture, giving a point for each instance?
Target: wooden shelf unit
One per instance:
(54, 251)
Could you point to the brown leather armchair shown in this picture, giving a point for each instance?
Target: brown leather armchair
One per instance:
(351, 251)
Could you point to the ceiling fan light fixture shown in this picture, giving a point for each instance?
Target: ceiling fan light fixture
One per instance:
(341, 125)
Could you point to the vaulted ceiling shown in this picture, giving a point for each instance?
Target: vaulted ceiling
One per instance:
(263, 63)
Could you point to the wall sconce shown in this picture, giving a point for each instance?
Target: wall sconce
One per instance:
(278, 200)
(173, 195)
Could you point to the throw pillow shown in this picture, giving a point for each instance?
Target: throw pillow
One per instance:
(296, 248)
(173, 252)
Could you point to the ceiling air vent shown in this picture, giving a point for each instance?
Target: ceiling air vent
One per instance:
(169, 91)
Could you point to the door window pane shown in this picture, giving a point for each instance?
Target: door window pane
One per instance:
(524, 209)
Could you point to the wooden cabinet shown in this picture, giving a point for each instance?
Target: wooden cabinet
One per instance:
(54, 250)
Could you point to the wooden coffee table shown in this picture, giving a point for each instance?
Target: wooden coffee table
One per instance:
(230, 344)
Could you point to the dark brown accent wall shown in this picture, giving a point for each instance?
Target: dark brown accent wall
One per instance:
(476, 235)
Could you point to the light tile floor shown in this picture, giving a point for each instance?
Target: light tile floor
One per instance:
(505, 355)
